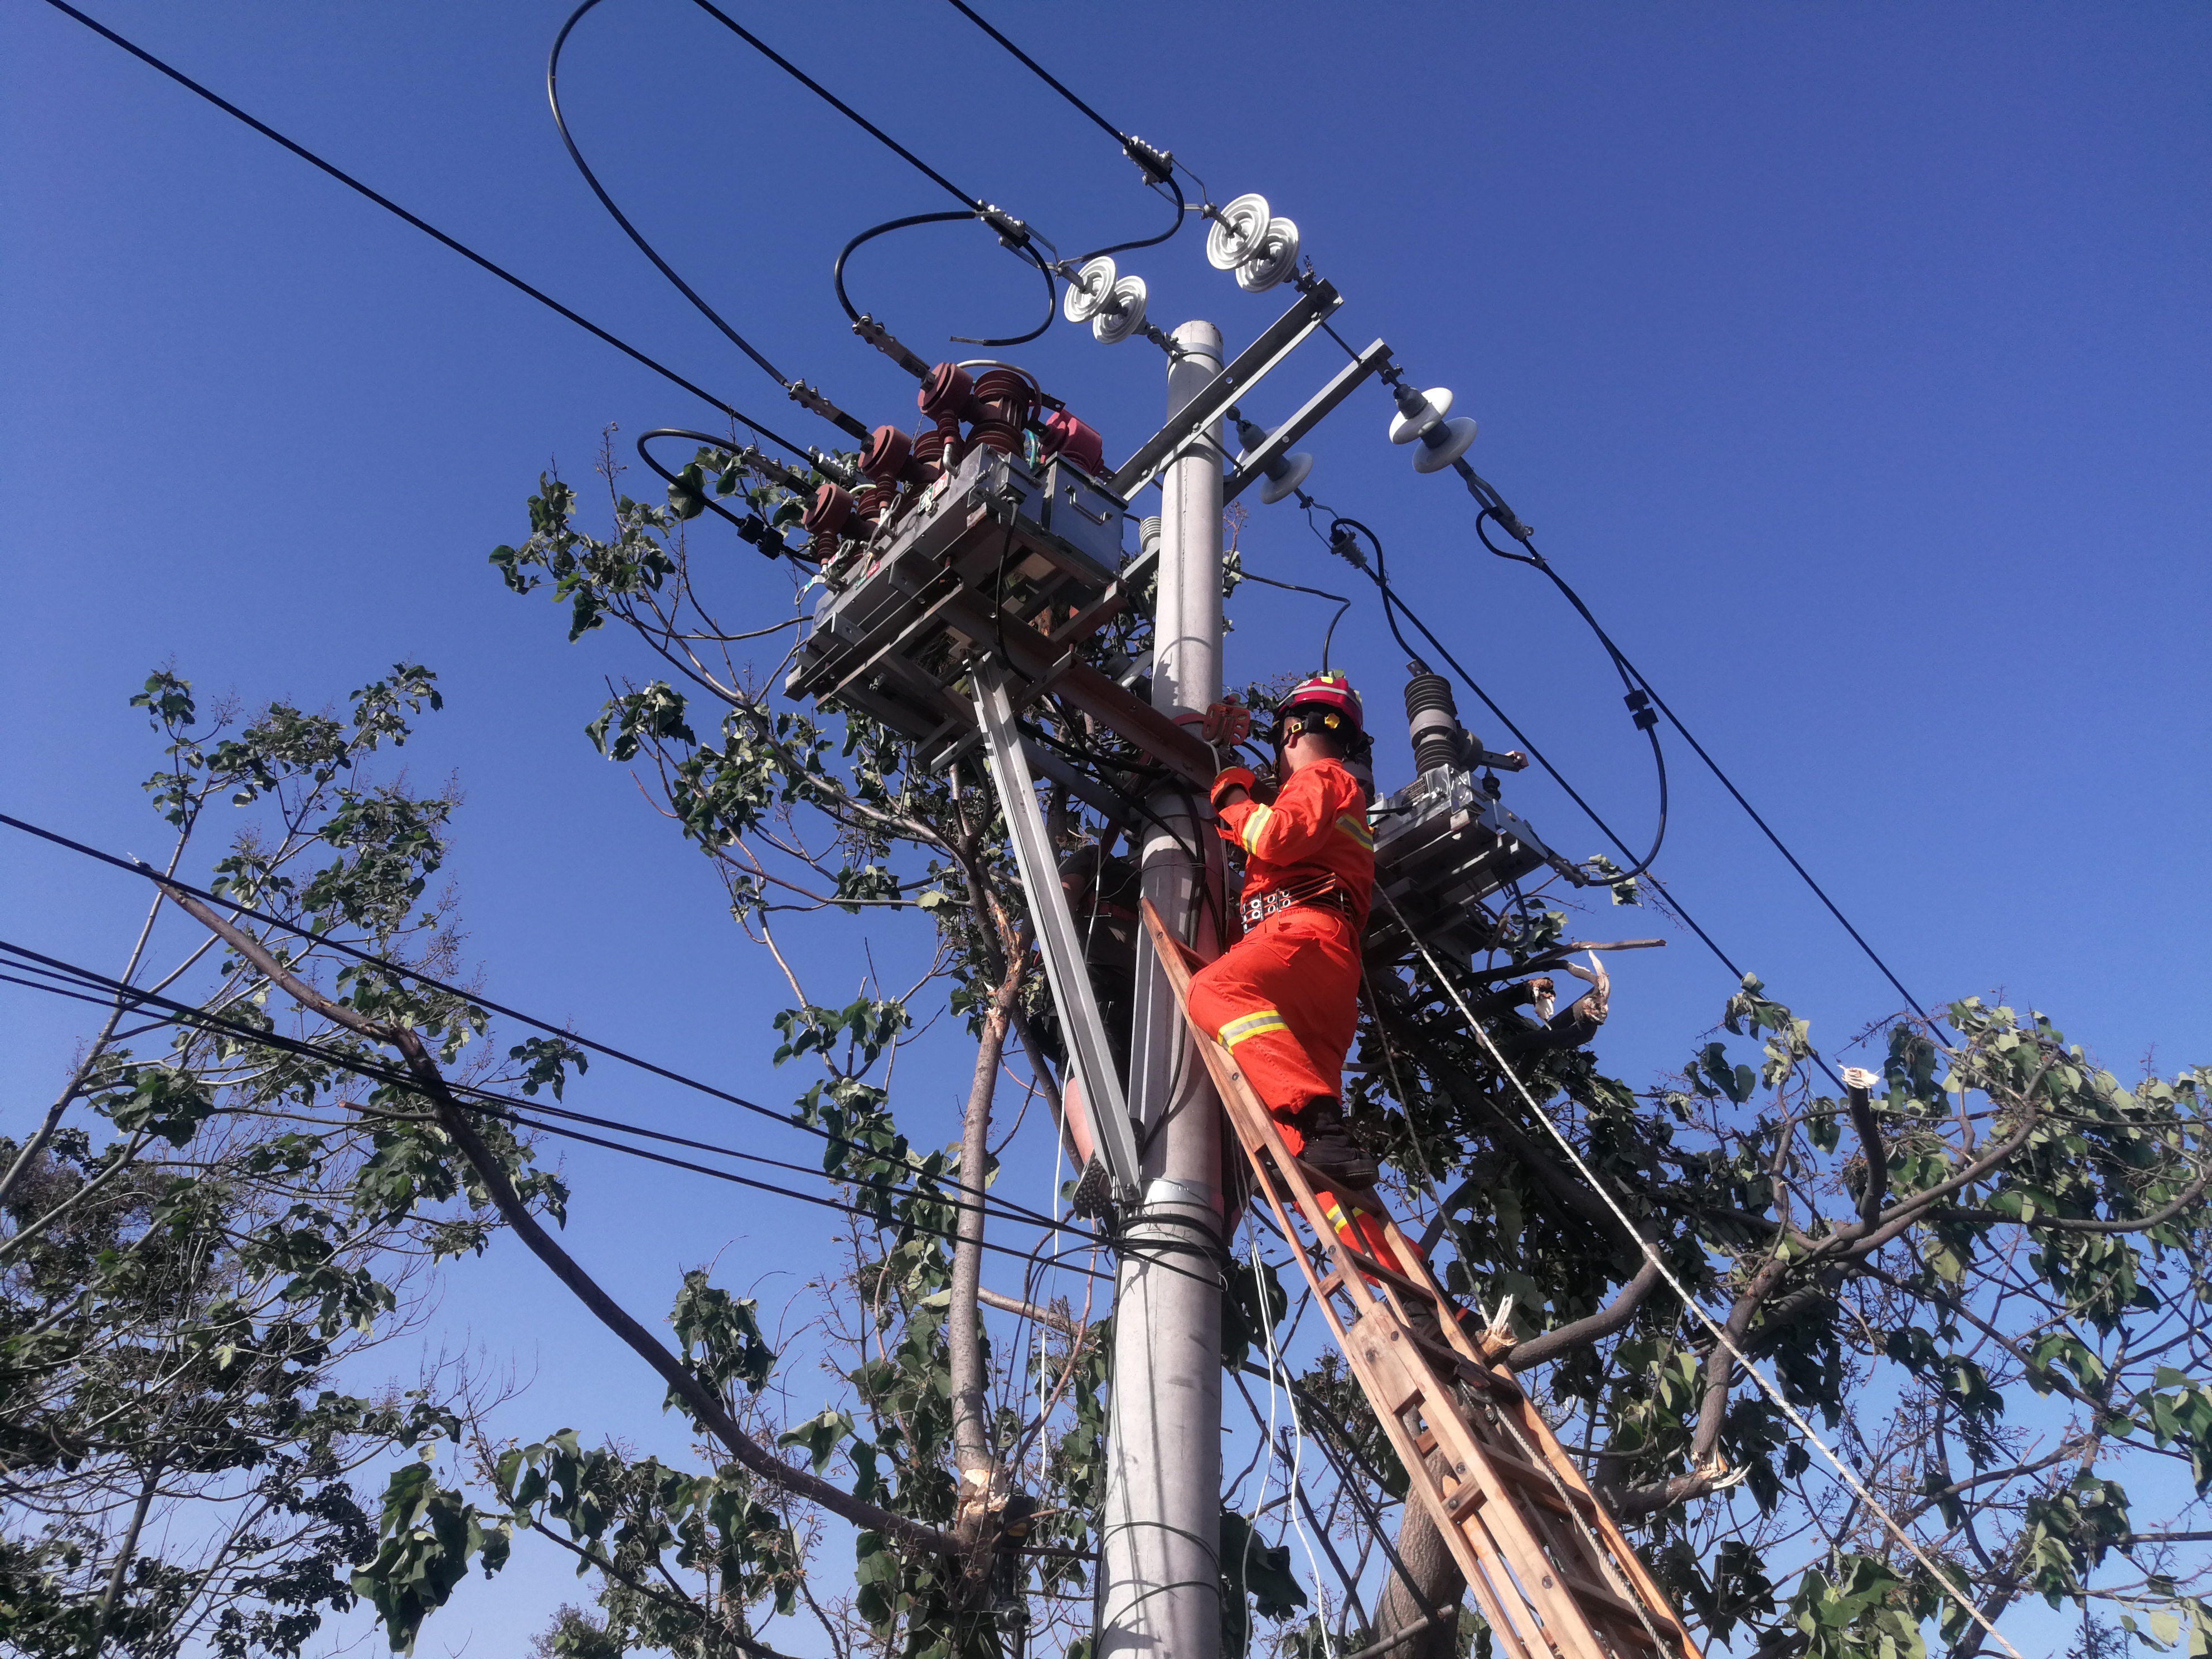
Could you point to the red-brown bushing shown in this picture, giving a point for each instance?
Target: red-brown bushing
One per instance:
(1004, 401)
(887, 455)
(1065, 435)
(948, 397)
(948, 391)
(830, 512)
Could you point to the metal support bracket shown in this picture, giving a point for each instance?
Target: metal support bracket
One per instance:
(1196, 418)
(1065, 969)
(1247, 469)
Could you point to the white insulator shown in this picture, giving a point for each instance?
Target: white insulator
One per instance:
(1404, 428)
(1123, 315)
(1238, 231)
(1088, 290)
(1284, 478)
(1276, 259)
(1444, 444)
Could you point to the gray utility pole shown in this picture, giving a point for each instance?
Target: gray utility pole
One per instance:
(1158, 1566)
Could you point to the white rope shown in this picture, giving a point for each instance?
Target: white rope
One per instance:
(1720, 1335)
(1275, 1368)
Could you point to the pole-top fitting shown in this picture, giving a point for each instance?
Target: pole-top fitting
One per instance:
(1156, 165)
(1012, 231)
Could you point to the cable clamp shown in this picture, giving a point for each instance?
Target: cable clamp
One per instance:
(1156, 165)
(1012, 231)
(875, 334)
(1639, 705)
(1346, 546)
(815, 403)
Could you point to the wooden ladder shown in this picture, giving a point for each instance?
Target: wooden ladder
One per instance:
(1546, 1565)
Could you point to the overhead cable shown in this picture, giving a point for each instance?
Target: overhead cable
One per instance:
(1697, 1309)
(426, 979)
(430, 230)
(1156, 164)
(1005, 1208)
(561, 121)
(485, 1100)
(1495, 510)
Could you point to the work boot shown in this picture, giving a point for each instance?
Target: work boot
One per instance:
(1330, 1148)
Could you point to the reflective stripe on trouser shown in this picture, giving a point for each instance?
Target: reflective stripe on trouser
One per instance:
(1284, 998)
(1359, 1231)
(1285, 1001)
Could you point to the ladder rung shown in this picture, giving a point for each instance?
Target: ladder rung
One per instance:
(1405, 1285)
(1527, 1475)
(1609, 1604)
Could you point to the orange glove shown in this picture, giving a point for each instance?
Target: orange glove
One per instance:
(1236, 777)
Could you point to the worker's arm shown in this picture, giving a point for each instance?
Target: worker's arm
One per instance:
(1304, 815)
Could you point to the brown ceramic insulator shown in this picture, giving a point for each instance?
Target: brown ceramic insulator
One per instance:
(830, 511)
(948, 397)
(1064, 434)
(948, 391)
(888, 453)
(929, 455)
(870, 503)
(825, 546)
(1005, 400)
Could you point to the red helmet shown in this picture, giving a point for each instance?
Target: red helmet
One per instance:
(1329, 690)
(1325, 694)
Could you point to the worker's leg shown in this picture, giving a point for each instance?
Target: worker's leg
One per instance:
(1285, 1001)
(1258, 999)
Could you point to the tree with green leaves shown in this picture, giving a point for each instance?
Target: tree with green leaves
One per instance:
(218, 1212)
(1979, 1279)
(1976, 1278)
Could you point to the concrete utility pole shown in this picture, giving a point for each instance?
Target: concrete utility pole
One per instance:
(1158, 1567)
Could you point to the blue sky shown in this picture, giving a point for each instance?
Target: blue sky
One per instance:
(1852, 361)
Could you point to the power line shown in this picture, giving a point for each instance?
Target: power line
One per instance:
(1040, 71)
(1494, 508)
(1003, 1208)
(1696, 1309)
(429, 229)
(561, 121)
(426, 979)
(505, 1106)
(1156, 165)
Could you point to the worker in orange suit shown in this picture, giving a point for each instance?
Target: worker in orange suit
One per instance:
(1284, 998)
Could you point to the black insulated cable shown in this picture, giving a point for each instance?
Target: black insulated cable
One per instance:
(1494, 508)
(752, 527)
(575, 155)
(1343, 604)
(150, 873)
(1642, 716)
(184, 1013)
(1528, 748)
(914, 366)
(1156, 165)
(427, 228)
(490, 1102)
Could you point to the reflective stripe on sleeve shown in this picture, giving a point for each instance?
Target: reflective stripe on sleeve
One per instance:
(1355, 827)
(1256, 824)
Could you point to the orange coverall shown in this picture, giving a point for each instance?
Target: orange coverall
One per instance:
(1284, 998)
